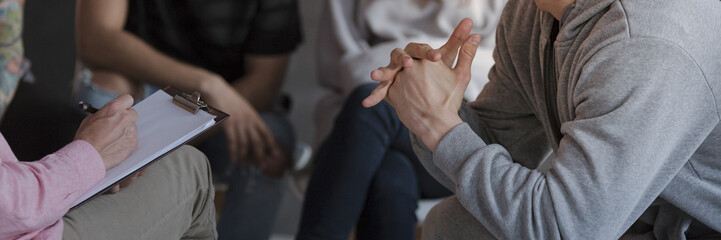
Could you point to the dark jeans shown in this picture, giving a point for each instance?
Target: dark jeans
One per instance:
(252, 200)
(367, 175)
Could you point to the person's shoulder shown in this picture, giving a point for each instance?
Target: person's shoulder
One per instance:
(674, 20)
(687, 29)
(682, 28)
(669, 23)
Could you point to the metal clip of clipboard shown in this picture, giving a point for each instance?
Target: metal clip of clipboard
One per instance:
(190, 102)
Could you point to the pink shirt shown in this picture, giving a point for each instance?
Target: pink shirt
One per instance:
(34, 196)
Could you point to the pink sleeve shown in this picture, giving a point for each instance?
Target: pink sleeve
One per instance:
(34, 195)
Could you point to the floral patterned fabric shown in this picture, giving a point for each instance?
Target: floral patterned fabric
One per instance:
(11, 49)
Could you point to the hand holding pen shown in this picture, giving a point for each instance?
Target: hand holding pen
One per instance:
(111, 131)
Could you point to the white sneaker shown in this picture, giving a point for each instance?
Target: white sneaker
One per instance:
(299, 175)
(301, 155)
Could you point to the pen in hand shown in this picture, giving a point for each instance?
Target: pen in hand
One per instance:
(87, 107)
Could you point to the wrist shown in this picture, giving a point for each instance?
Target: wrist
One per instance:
(209, 83)
(437, 128)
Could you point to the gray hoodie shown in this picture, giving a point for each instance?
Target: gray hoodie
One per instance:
(632, 137)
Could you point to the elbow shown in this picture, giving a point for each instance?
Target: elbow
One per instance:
(87, 51)
(91, 48)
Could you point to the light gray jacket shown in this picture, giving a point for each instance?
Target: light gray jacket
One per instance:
(637, 135)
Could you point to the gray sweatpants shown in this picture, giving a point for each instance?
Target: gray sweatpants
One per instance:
(172, 200)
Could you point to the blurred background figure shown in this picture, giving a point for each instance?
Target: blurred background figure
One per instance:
(235, 53)
(361, 33)
(365, 173)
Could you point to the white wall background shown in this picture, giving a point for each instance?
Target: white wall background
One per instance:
(301, 84)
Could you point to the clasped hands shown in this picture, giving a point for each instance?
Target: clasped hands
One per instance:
(424, 88)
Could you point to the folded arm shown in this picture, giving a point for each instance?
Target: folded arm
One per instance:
(520, 131)
(631, 135)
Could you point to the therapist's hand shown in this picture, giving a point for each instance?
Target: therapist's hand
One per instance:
(111, 131)
(427, 95)
(402, 58)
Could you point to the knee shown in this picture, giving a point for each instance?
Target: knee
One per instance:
(395, 179)
(362, 91)
(190, 163)
(196, 158)
(353, 104)
(354, 110)
(450, 220)
(436, 222)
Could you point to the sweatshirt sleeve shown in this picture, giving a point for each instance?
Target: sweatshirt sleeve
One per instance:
(499, 115)
(37, 194)
(642, 109)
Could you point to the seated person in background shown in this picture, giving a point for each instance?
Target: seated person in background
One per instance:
(173, 200)
(365, 173)
(234, 53)
(600, 121)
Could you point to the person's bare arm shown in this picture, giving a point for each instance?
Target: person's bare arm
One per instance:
(262, 83)
(104, 45)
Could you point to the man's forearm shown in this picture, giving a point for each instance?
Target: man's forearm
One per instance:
(135, 59)
(261, 96)
(425, 156)
(264, 80)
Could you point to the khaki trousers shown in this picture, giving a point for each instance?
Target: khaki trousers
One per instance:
(172, 200)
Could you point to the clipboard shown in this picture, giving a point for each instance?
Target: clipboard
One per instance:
(167, 119)
(194, 99)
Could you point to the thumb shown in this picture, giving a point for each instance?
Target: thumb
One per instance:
(467, 53)
(122, 102)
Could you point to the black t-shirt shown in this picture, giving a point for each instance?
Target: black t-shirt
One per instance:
(216, 34)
